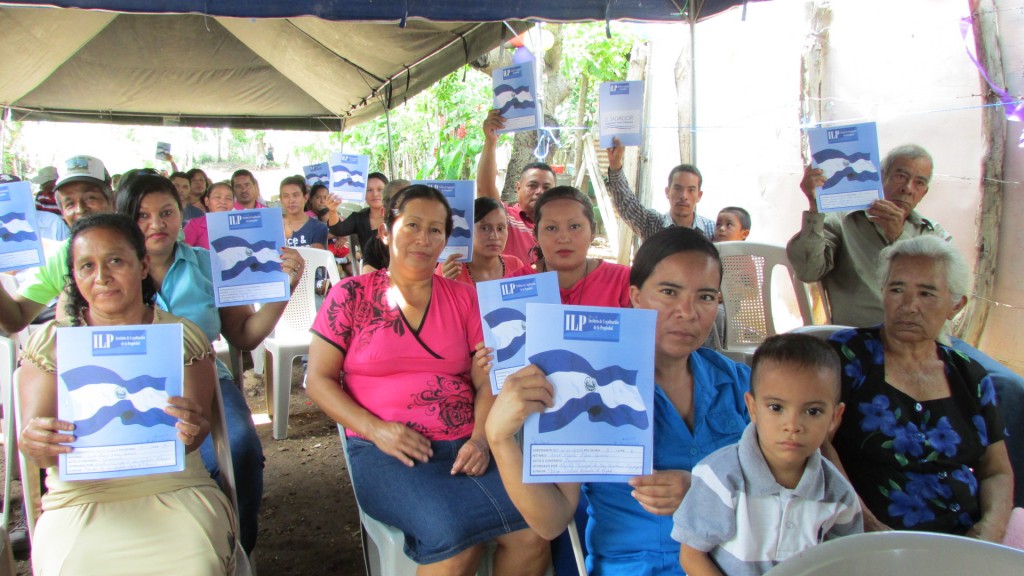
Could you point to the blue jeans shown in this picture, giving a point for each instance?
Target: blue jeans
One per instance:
(1010, 393)
(247, 459)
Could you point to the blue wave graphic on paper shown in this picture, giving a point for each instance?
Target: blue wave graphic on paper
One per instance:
(98, 396)
(508, 326)
(460, 226)
(126, 412)
(82, 376)
(15, 228)
(838, 166)
(238, 255)
(606, 395)
(512, 98)
(344, 176)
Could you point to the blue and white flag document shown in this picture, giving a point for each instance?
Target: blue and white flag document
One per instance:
(245, 248)
(348, 176)
(318, 174)
(20, 246)
(853, 170)
(503, 314)
(113, 383)
(461, 195)
(622, 112)
(600, 362)
(515, 96)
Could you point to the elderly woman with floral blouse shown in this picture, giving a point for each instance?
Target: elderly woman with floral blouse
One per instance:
(922, 440)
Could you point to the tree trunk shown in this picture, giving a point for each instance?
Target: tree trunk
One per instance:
(684, 95)
(970, 324)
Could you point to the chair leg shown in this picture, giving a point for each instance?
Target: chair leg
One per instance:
(268, 382)
(282, 370)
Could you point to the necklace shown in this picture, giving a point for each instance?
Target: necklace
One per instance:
(470, 270)
(583, 283)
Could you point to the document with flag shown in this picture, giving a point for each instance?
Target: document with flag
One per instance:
(245, 254)
(461, 194)
(348, 176)
(853, 170)
(622, 112)
(515, 96)
(20, 245)
(503, 311)
(317, 174)
(600, 362)
(113, 383)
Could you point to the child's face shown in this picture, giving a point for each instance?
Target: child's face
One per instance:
(794, 410)
(728, 228)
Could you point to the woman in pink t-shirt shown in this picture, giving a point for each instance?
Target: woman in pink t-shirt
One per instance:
(490, 233)
(565, 229)
(413, 405)
(218, 198)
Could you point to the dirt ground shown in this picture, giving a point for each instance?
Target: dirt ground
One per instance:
(309, 524)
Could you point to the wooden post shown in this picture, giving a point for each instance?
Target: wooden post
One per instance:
(970, 324)
(812, 102)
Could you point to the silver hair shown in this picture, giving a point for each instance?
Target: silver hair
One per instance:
(929, 246)
(911, 151)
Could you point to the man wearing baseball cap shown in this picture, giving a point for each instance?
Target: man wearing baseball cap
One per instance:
(84, 188)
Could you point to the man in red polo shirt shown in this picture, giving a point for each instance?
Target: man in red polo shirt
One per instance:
(535, 179)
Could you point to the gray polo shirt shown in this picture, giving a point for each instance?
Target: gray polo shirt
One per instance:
(748, 522)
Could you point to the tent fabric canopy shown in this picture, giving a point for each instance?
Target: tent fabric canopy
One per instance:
(394, 10)
(256, 64)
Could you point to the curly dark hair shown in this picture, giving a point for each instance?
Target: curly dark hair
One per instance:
(76, 304)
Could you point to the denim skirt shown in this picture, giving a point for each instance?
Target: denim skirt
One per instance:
(440, 514)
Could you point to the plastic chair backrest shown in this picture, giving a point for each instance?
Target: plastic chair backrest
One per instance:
(903, 553)
(748, 270)
(300, 312)
(31, 487)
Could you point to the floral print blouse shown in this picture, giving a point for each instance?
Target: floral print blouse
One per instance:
(913, 462)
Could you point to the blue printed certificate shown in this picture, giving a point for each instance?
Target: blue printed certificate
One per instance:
(461, 194)
(317, 174)
(515, 96)
(622, 112)
(600, 362)
(20, 245)
(848, 155)
(112, 384)
(503, 314)
(348, 176)
(245, 249)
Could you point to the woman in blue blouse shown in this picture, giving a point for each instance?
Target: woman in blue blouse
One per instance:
(698, 409)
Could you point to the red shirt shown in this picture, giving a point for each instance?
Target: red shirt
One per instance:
(605, 285)
(520, 234)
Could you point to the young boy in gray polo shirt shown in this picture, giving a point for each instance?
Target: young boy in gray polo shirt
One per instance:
(772, 495)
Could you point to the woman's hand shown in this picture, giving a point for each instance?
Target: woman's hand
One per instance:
(451, 268)
(523, 393)
(44, 438)
(662, 492)
(398, 440)
(483, 356)
(473, 458)
(192, 424)
(292, 264)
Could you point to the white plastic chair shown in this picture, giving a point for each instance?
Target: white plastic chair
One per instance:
(291, 336)
(384, 545)
(32, 487)
(903, 553)
(748, 272)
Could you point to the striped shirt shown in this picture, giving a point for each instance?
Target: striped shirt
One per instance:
(748, 522)
(647, 222)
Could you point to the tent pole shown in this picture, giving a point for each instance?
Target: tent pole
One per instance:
(391, 148)
(693, 84)
(3, 138)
